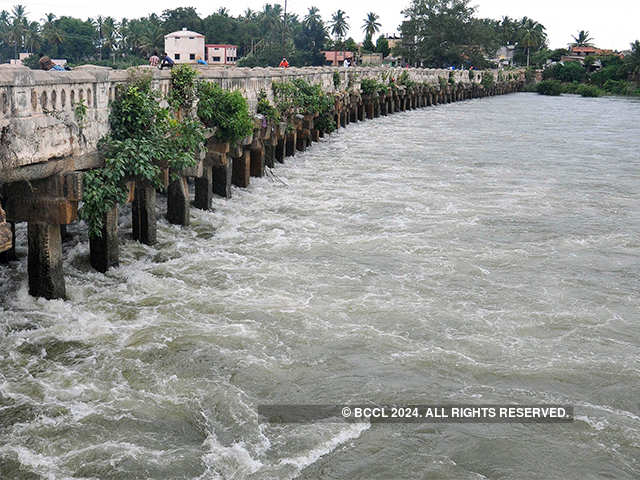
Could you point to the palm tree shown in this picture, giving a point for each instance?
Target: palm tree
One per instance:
(371, 25)
(312, 17)
(50, 32)
(583, 39)
(339, 25)
(532, 34)
(32, 38)
(18, 28)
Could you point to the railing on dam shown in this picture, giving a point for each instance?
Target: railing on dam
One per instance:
(51, 122)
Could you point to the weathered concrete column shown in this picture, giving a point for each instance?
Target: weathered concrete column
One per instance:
(290, 144)
(257, 159)
(241, 168)
(143, 211)
(222, 174)
(301, 143)
(361, 112)
(45, 261)
(280, 149)
(204, 189)
(178, 202)
(104, 252)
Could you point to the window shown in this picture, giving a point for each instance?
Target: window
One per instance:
(191, 38)
(216, 59)
(192, 56)
(176, 56)
(229, 59)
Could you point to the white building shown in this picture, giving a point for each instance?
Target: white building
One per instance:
(184, 46)
(221, 54)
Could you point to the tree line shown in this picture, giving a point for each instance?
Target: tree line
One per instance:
(263, 37)
(435, 33)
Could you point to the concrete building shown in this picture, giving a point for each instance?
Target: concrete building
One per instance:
(184, 46)
(221, 54)
(336, 58)
(504, 55)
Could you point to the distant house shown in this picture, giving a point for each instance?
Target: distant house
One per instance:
(184, 46)
(504, 55)
(221, 54)
(578, 54)
(336, 57)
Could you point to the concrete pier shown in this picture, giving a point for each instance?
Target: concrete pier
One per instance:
(241, 169)
(104, 251)
(178, 202)
(204, 188)
(44, 265)
(143, 211)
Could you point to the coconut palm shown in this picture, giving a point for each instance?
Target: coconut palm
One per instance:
(532, 34)
(583, 39)
(312, 17)
(339, 25)
(371, 25)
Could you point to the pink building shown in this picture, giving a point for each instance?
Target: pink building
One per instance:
(336, 58)
(220, 54)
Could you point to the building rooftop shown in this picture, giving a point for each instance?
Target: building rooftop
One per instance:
(184, 33)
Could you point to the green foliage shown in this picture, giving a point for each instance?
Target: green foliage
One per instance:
(227, 111)
(589, 91)
(382, 46)
(80, 112)
(569, 72)
(550, 87)
(144, 138)
(265, 108)
(405, 80)
(452, 79)
(529, 75)
(443, 83)
(487, 80)
(371, 86)
(336, 80)
(184, 86)
(300, 97)
(368, 46)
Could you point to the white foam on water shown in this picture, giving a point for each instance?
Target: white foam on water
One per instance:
(302, 461)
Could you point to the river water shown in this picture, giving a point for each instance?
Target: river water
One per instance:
(486, 251)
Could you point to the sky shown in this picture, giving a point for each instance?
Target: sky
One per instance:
(612, 24)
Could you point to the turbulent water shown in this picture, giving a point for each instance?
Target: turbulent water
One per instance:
(486, 251)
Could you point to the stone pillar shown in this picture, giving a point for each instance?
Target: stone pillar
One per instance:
(222, 174)
(301, 142)
(279, 150)
(178, 202)
(270, 150)
(241, 169)
(290, 144)
(143, 211)
(204, 189)
(257, 160)
(46, 278)
(104, 252)
(361, 112)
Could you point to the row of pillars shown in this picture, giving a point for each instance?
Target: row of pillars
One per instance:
(52, 203)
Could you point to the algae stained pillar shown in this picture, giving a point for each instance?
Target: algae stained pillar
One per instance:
(143, 212)
(104, 250)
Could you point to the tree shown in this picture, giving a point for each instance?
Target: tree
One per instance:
(371, 25)
(532, 35)
(339, 25)
(368, 45)
(583, 39)
(382, 46)
(434, 30)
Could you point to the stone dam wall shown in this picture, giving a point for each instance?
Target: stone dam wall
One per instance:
(46, 144)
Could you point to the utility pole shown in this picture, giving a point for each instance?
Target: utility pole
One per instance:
(284, 30)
